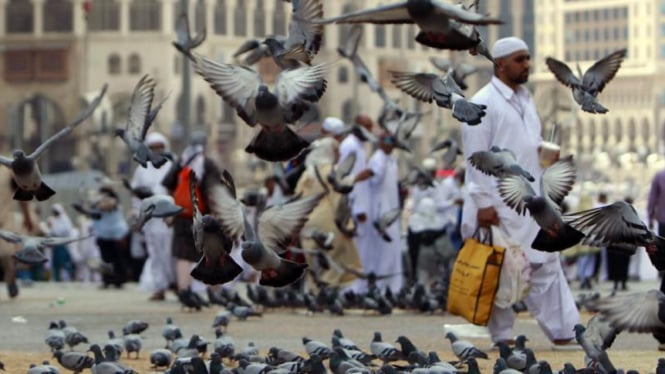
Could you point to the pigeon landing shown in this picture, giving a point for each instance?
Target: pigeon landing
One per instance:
(140, 116)
(25, 171)
(245, 91)
(459, 72)
(638, 312)
(588, 85)
(498, 163)
(156, 206)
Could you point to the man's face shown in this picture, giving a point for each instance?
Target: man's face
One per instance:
(515, 68)
(157, 147)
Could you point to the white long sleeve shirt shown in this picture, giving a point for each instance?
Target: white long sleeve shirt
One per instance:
(359, 196)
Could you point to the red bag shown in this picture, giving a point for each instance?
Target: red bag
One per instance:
(181, 195)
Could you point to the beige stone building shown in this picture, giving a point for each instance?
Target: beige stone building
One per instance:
(55, 53)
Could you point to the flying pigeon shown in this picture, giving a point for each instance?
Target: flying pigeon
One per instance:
(156, 206)
(442, 90)
(386, 220)
(593, 345)
(642, 312)
(452, 151)
(24, 168)
(588, 85)
(459, 72)
(140, 116)
(184, 41)
(498, 162)
(32, 247)
(244, 89)
(340, 172)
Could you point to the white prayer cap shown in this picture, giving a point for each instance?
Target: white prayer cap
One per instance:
(155, 138)
(507, 46)
(333, 125)
(429, 164)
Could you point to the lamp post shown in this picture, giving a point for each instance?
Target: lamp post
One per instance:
(186, 95)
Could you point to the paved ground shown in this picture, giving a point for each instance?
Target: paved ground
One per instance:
(23, 323)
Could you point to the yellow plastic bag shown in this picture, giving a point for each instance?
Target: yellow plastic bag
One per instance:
(475, 279)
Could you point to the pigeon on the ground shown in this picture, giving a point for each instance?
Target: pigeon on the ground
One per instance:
(464, 349)
(242, 312)
(140, 116)
(409, 350)
(224, 344)
(74, 361)
(636, 312)
(346, 343)
(42, 369)
(555, 184)
(442, 90)
(32, 247)
(385, 352)
(135, 326)
(593, 344)
(24, 168)
(133, 344)
(156, 206)
(161, 358)
(222, 319)
(514, 359)
(385, 221)
(588, 85)
(74, 339)
(116, 343)
(170, 331)
(55, 337)
(315, 347)
(184, 41)
(499, 163)
(245, 90)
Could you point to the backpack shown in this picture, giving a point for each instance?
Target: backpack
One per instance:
(181, 195)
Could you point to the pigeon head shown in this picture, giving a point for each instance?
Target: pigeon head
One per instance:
(215, 357)
(377, 336)
(265, 99)
(579, 329)
(450, 336)
(210, 224)
(520, 339)
(53, 325)
(119, 132)
(273, 44)
(544, 367)
(535, 204)
(111, 334)
(19, 154)
(338, 333)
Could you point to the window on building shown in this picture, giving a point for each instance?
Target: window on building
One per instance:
(592, 130)
(605, 131)
(200, 16)
(134, 64)
(228, 113)
(347, 111)
(114, 64)
(506, 14)
(662, 51)
(18, 16)
(57, 16)
(200, 111)
(220, 17)
(568, 56)
(397, 36)
(104, 16)
(279, 19)
(342, 75)
(379, 36)
(43, 65)
(596, 35)
(240, 19)
(618, 130)
(145, 15)
(606, 14)
(606, 34)
(586, 35)
(259, 20)
(411, 36)
(625, 32)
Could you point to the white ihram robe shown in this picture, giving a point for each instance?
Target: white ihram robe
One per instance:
(384, 257)
(359, 201)
(512, 122)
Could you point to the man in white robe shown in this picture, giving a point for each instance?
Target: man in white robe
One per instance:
(384, 257)
(359, 196)
(159, 269)
(512, 122)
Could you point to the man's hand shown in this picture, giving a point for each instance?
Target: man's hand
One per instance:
(362, 217)
(487, 217)
(363, 175)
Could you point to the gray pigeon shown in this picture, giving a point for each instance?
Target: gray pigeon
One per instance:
(315, 347)
(41, 369)
(170, 331)
(386, 220)
(442, 90)
(592, 343)
(340, 172)
(224, 344)
(432, 16)
(636, 312)
(184, 41)
(75, 339)
(464, 349)
(514, 359)
(32, 247)
(135, 326)
(140, 116)
(499, 163)
(588, 85)
(133, 343)
(244, 89)
(222, 319)
(459, 72)
(74, 361)
(161, 358)
(24, 168)
(614, 225)
(452, 151)
(116, 343)
(346, 343)
(254, 50)
(555, 184)
(55, 337)
(384, 351)
(156, 206)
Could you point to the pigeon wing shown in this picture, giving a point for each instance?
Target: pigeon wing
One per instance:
(636, 312)
(391, 13)
(417, 85)
(462, 15)
(237, 85)
(197, 227)
(69, 128)
(247, 46)
(601, 72)
(139, 109)
(229, 210)
(513, 189)
(346, 166)
(389, 217)
(54, 242)
(6, 161)
(562, 72)
(306, 34)
(558, 180)
(10, 236)
(441, 63)
(351, 42)
(182, 29)
(486, 162)
(279, 223)
(292, 84)
(616, 223)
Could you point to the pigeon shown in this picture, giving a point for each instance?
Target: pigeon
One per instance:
(592, 343)
(459, 72)
(464, 349)
(279, 356)
(112, 356)
(431, 16)
(340, 362)
(140, 116)
(323, 240)
(74, 361)
(244, 89)
(222, 319)
(191, 349)
(24, 168)
(587, 86)
(418, 176)
(555, 184)
(514, 359)
(75, 338)
(340, 172)
(499, 163)
(135, 326)
(185, 43)
(170, 331)
(45, 368)
(156, 206)
(216, 266)
(442, 90)
(315, 347)
(32, 247)
(614, 225)
(116, 343)
(384, 351)
(254, 50)
(55, 337)
(223, 344)
(133, 343)
(385, 221)
(642, 312)
(161, 358)
(242, 312)
(346, 343)
(452, 151)
(501, 367)
(409, 350)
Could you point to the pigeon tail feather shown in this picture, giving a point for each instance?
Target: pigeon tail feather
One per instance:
(274, 146)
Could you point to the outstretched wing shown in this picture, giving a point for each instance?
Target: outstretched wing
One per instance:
(345, 167)
(279, 223)
(139, 109)
(10, 236)
(636, 312)
(197, 227)
(6, 161)
(305, 34)
(69, 128)
(601, 72)
(417, 85)
(562, 72)
(229, 210)
(391, 13)
(389, 217)
(54, 242)
(292, 85)
(513, 189)
(617, 223)
(558, 180)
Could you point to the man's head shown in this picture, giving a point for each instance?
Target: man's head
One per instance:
(156, 142)
(364, 121)
(387, 142)
(334, 127)
(512, 61)
(429, 165)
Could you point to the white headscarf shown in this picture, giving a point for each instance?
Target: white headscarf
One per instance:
(322, 153)
(507, 46)
(156, 138)
(61, 226)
